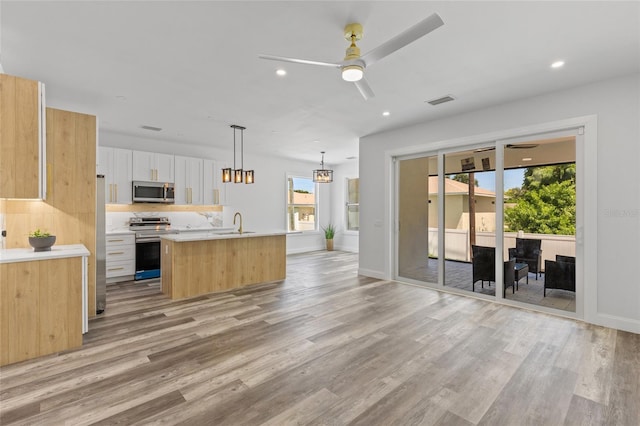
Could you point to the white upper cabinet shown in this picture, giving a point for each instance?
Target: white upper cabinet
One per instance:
(153, 167)
(213, 189)
(115, 164)
(188, 180)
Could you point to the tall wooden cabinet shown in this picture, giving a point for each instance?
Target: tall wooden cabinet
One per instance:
(22, 138)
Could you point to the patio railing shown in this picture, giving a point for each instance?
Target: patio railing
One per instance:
(456, 242)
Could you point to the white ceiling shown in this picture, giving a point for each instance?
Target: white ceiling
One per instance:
(192, 68)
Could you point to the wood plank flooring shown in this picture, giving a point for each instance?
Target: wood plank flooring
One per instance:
(327, 347)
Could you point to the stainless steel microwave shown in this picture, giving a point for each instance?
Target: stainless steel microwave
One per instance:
(153, 192)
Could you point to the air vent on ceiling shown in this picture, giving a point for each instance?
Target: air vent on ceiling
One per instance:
(155, 129)
(441, 100)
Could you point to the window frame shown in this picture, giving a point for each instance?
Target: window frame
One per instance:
(316, 188)
(348, 204)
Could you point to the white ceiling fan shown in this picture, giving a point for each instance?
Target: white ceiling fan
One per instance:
(353, 65)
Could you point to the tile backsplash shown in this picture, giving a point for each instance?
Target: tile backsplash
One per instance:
(120, 220)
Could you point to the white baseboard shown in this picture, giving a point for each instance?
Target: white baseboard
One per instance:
(619, 323)
(299, 250)
(371, 273)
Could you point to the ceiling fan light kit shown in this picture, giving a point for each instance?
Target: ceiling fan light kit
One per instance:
(353, 65)
(352, 73)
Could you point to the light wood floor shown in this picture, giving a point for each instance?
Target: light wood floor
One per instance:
(328, 347)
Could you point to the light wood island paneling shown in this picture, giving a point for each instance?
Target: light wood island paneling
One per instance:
(192, 268)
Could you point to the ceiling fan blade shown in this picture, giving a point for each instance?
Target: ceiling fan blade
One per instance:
(401, 40)
(298, 61)
(364, 88)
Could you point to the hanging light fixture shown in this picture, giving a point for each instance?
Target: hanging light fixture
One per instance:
(322, 175)
(238, 175)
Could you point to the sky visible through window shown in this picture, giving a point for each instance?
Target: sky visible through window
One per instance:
(305, 184)
(512, 179)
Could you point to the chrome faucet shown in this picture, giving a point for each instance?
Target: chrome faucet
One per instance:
(234, 221)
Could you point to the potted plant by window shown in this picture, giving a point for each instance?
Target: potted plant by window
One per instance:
(41, 241)
(329, 233)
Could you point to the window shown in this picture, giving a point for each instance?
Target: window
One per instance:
(353, 204)
(302, 204)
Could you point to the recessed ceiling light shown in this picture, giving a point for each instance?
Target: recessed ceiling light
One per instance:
(557, 64)
(527, 159)
(281, 72)
(386, 113)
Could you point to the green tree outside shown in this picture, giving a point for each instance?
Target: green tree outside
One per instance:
(546, 203)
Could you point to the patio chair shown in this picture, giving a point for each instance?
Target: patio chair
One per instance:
(484, 268)
(560, 274)
(528, 251)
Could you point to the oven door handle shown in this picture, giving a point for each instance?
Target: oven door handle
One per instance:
(148, 240)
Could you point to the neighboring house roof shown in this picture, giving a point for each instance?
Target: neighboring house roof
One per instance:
(453, 187)
(302, 198)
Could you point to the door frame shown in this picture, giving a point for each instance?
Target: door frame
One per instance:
(586, 204)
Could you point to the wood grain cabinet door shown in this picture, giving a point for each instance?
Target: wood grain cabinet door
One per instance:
(22, 139)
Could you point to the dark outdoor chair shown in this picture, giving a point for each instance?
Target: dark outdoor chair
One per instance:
(560, 274)
(484, 268)
(528, 251)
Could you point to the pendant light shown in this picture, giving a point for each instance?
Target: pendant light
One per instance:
(322, 175)
(238, 175)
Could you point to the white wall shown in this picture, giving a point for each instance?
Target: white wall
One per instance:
(616, 104)
(344, 240)
(263, 204)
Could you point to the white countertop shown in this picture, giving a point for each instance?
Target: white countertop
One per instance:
(213, 235)
(28, 255)
(125, 231)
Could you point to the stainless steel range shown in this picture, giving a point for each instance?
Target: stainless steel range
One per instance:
(148, 231)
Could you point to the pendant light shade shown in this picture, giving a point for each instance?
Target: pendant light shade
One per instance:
(248, 176)
(226, 175)
(322, 175)
(238, 175)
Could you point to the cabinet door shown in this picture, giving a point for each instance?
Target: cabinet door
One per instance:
(194, 172)
(105, 156)
(164, 167)
(212, 192)
(105, 167)
(181, 185)
(121, 175)
(22, 138)
(144, 168)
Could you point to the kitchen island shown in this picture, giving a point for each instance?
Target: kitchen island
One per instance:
(197, 263)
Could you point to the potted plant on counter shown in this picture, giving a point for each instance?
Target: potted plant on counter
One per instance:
(329, 233)
(41, 240)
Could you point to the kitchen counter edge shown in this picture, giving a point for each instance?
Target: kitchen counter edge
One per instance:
(57, 252)
(205, 236)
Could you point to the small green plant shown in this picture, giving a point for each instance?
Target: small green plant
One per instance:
(329, 231)
(39, 234)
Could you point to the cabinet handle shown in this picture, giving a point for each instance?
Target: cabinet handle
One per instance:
(190, 195)
(115, 269)
(115, 252)
(114, 241)
(116, 197)
(110, 192)
(156, 174)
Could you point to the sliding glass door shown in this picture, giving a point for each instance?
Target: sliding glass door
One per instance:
(450, 233)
